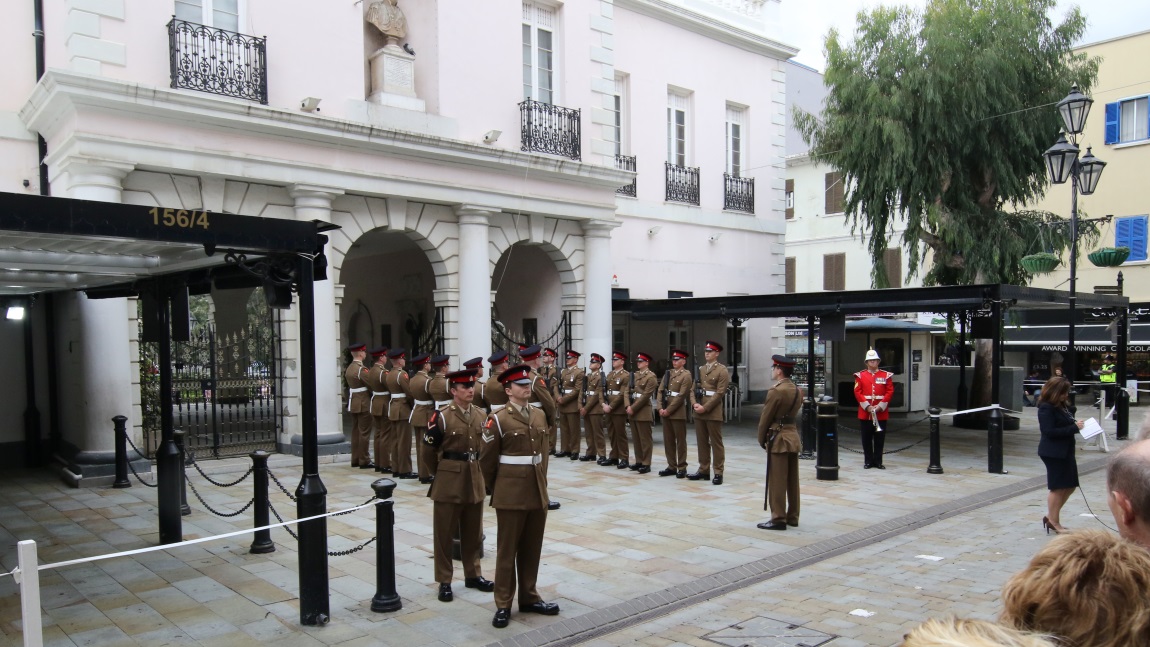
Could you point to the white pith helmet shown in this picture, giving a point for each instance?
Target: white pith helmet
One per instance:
(871, 354)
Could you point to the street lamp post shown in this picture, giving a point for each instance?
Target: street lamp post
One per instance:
(1063, 164)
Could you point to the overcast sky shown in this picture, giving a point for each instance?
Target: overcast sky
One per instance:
(808, 21)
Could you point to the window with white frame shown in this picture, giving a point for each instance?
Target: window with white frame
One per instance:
(736, 140)
(1128, 120)
(222, 14)
(678, 128)
(1131, 232)
(538, 52)
(617, 130)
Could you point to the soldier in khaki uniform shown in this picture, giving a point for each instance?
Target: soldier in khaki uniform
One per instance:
(779, 436)
(541, 398)
(440, 397)
(615, 410)
(399, 414)
(545, 368)
(421, 406)
(708, 406)
(642, 413)
(673, 396)
(592, 412)
(571, 382)
(359, 406)
(492, 391)
(375, 378)
(476, 364)
(513, 454)
(454, 435)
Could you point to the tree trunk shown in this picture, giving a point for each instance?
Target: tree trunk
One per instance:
(982, 383)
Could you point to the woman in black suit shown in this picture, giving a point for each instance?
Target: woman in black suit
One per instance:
(1056, 448)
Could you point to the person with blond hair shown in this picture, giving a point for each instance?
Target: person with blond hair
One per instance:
(1086, 589)
(964, 632)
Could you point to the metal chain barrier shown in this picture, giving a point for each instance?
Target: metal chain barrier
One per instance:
(330, 553)
(138, 453)
(342, 553)
(217, 483)
(843, 428)
(281, 520)
(217, 512)
(280, 485)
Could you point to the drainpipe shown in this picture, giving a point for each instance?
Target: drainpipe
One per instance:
(38, 34)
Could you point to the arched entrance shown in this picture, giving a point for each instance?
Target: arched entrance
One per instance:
(528, 305)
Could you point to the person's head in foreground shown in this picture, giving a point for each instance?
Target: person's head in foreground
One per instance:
(961, 632)
(1128, 491)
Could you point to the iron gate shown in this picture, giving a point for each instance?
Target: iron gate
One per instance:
(225, 389)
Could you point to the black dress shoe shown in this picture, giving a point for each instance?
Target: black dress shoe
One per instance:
(635, 466)
(670, 471)
(407, 475)
(560, 454)
(588, 457)
(426, 479)
(718, 480)
(445, 594)
(552, 505)
(542, 608)
(574, 456)
(552, 452)
(481, 583)
(866, 466)
(793, 524)
(643, 470)
(602, 461)
(385, 470)
(773, 525)
(623, 465)
(699, 476)
(369, 466)
(502, 617)
(881, 466)
(612, 461)
(681, 474)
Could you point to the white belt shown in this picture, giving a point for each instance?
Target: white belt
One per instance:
(614, 393)
(635, 395)
(396, 396)
(374, 393)
(592, 392)
(497, 407)
(521, 460)
(873, 397)
(425, 403)
(442, 403)
(358, 390)
(674, 394)
(708, 393)
(566, 391)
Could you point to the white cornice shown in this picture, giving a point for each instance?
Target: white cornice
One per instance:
(59, 93)
(709, 27)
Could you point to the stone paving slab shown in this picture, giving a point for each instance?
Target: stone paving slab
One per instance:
(623, 544)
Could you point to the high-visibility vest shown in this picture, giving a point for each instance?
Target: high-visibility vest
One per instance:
(1110, 377)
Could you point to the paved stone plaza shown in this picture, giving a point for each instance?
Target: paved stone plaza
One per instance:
(630, 558)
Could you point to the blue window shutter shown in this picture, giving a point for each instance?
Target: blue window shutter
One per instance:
(1131, 232)
(1112, 123)
(1122, 228)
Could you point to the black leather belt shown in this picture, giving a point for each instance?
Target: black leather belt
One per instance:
(461, 456)
(787, 421)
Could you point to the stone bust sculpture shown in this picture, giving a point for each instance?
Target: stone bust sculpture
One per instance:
(388, 19)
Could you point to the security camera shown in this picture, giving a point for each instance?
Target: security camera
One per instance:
(310, 104)
(714, 237)
(654, 230)
(491, 136)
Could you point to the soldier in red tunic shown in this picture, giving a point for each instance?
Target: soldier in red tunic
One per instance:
(874, 388)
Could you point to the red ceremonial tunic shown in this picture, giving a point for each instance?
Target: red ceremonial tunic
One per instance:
(874, 388)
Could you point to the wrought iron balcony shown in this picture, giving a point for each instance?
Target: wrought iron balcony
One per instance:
(550, 129)
(738, 193)
(682, 183)
(218, 61)
(626, 163)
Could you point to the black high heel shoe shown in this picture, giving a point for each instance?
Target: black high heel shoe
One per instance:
(1046, 525)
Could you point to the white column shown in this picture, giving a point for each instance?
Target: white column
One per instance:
(314, 203)
(474, 281)
(597, 286)
(94, 340)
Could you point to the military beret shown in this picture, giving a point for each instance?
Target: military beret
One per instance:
(357, 346)
(474, 362)
(618, 355)
(378, 351)
(519, 374)
(466, 376)
(642, 357)
(440, 360)
(571, 354)
(715, 346)
(783, 360)
(679, 354)
(420, 358)
(550, 352)
(530, 352)
(396, 353)
(596, 358)
(498, 357)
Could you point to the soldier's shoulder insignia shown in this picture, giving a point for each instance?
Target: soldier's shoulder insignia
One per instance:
(857, 383)
(490, 421)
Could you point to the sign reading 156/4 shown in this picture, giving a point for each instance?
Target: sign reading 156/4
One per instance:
(181, 218)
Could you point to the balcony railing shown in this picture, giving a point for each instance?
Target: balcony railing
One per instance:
(218, 61)
(626, 163)
(738, 193)
(550, 129)
(682, 183)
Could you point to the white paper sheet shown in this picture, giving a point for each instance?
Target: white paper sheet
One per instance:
(1090, 429)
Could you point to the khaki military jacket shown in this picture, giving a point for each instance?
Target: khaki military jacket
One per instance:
(440, 393)
(571, 390)
(397, 406)
(594, 403)
(543, 396)
(521, 435)
(618, 391)
(457, 480)
(493, 393)
(680, 386)
(713, 379)
(780, 411)
(643, 394)
(358, 396)
(417, 392)
(375, 379)
(551, 375)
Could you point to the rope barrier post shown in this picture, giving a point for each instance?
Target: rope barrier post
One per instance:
(994, 441)
(827, 465)
(120, 424)
(386, 598)
(1122, 413)
(178, 437)
(262, 541)
(935, 448)
(29, 579)
(809, 435)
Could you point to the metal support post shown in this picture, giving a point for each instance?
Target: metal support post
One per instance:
(169, 467)
(810, 439)
(935, 441)
(1121, 395)
(178, 437)
(994, 420)
(827, 467)
(262, 541)
(120, 424)
(386, 598)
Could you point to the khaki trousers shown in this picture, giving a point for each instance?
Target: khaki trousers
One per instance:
(383, 448)
(618, 434)
(468, 519)
(675, 442)
(401, 430)
(361, 439)
(596, 441)
(709, 434)
(569, 426)
(517, 558)
(783, 487)
(644, 444)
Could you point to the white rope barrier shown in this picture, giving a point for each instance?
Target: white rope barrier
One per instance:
(986, 408)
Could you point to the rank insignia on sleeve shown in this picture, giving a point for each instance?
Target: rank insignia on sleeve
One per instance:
(488, 437)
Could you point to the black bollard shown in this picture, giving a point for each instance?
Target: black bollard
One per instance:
(935, 441)
(262, 541)
(120, 423)
(809, 434)
(386, 598)
(827, 466)
(994, 442)
(178, 437)
(1122, 412)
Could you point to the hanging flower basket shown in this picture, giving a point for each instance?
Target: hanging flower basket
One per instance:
(1109, 256)
(1040, 263)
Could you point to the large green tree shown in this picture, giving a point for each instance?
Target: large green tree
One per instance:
(938, 118)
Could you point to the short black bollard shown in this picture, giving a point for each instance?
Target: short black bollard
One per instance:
(935, 449)
(178, 438)
(827, 465)
(386, 598)
(1122, 413)
(262, 541)
(994, 442)
(120, 423)
(809, 433)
